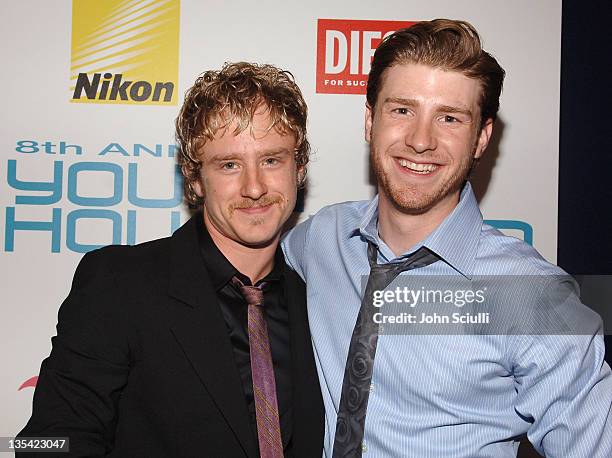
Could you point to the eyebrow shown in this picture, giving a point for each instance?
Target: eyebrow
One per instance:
(414, 103)
(276, 152)
(451, 109)
(401, 101)
(234, 156)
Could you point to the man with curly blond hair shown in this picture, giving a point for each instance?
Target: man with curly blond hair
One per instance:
(198, 344)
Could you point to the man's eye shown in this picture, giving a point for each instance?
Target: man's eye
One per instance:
(270, 161)
(402, 111)
(229, 165)
(449, 118)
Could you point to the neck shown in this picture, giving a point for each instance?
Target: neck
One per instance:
(254, 262)
(401, 230)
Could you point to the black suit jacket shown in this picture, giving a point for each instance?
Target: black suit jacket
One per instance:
(142, 363)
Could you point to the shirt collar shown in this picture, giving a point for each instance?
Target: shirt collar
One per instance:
(221, 271)
(368, 225)
(455, 240)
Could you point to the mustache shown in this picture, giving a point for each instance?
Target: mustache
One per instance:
(261, 202)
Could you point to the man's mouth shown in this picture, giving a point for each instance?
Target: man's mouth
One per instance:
(421, 169)
(255, 209)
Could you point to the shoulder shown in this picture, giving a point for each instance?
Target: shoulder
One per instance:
(108, 280)
(335, 218)
(513, 256)
(538, 299)
(117, 261)
(351, 211)
(120, 255)
(321, 232)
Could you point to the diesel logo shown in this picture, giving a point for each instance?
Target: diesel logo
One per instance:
(344, 52)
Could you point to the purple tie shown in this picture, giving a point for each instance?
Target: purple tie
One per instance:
(264, 386)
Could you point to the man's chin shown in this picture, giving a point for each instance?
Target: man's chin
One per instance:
(412, 208)
(260, 244)
(411, 202)
(416, 201)
(252, 240)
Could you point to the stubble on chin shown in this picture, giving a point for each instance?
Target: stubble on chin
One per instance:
(412, 199)
(257, 220)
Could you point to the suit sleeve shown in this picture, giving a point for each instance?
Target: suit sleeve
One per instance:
(564, 387)
(80, 383)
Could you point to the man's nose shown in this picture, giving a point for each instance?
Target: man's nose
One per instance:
(421, 136)
(253, 183)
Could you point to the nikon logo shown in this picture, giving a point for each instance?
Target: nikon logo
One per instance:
(114, 87)
(124, 52)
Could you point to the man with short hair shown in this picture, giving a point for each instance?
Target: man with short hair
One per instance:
(432, 99)
(198, 344)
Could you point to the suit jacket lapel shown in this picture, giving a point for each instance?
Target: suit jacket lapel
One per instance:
(201, 331)
(308, 411)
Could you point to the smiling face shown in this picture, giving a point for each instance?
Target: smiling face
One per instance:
(248, 183)
(424, 135)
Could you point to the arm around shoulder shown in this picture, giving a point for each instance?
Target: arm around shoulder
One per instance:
(294, 247)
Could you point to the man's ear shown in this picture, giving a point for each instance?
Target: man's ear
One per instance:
(301, 175)
(368, 122)
(483, 138)
(196, 186)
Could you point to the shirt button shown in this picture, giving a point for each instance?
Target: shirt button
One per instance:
(381, 329)
(364, 448)
(371, 387)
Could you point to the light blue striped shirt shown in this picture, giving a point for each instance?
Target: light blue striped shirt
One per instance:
(450, 395)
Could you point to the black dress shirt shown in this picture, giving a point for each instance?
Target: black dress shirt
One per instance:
(234, 310)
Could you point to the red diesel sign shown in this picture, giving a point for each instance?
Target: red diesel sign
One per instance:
(344, 52)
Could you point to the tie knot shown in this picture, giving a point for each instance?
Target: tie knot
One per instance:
(420, 258)
(253, 295)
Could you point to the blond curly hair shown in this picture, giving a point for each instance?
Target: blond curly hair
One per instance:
(233, 94)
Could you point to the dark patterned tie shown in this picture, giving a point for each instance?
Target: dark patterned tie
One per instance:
(264, 385)
(360, 361)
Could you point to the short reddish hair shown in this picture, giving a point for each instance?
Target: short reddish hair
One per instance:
(446, 44)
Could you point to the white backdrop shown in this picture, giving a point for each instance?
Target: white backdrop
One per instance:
(517, 181)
